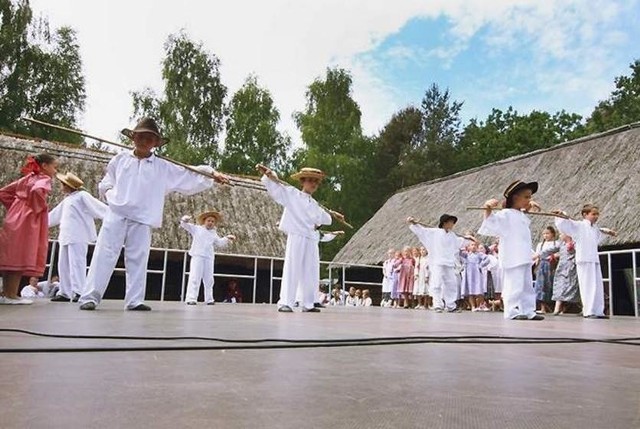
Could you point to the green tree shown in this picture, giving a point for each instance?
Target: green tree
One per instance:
(441, 133)
(395, 163)
(623, 105)
(191, 110)
(252, 135)
(40, 73)
(332, 134)
(506, 134)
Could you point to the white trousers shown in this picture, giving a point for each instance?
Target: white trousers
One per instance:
(443, 286)
(497, 278)
(200, 270)
(117, 231)
(591, 288)
(72, 269)
(301, 270)
(518, 293)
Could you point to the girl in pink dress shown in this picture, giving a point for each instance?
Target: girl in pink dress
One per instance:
(405, 284)
(25, 233)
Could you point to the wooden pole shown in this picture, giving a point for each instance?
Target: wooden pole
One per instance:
(120, 145)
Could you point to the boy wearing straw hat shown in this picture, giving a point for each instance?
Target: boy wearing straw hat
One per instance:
(205, 239)
(134, 187)
(302, 215)
(76, 215)
(511, 225)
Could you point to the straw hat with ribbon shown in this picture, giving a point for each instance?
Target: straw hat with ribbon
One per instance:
(146, 125)
(308, 173)
(210, 213)
(71, 180)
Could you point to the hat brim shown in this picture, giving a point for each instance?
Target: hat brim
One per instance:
(129, 133)
(307, 175)
(533, 186)
(63, 179)
(203, 216)
(447, 219)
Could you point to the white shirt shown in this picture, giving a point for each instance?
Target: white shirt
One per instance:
(204, 240)
(586, 236)
(367, 302)
(135, 188)
(443, 246)
(76, 216)
(512, 226)
(302, 214)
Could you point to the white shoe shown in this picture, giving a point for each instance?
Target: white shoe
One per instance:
(15, 301)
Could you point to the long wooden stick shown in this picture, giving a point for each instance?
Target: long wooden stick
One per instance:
(282, 182)
(560, 215)
(120, 145)
(417, 222)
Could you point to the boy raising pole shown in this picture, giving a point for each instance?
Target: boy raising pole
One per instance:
(302, 215)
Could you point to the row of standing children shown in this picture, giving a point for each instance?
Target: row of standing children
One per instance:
(406, 278)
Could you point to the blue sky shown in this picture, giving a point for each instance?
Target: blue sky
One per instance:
(498, 65)
(531, 54)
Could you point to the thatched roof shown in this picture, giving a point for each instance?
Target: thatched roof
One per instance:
(602, 168)
(248, 211)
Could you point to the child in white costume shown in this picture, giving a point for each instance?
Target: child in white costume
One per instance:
(202, 252)
(443, 245)
(587, 236)
(301, 216)
(76, 216)
(135, 187)
(387, 278)
(323, 237)
(421, 286)
(511, 225)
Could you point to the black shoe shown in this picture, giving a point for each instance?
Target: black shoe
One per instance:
(318, 305)
(310, 310)
(88, 306)
(140, 307)
(76, 297)
(285, 309)
(211, 303)
(537, 317)
(520, 317)
(191, 303)
(60, 298)
(602, 316)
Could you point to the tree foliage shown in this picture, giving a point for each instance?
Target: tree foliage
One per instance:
(40, 73)
(191, 109)
(252, 134)
(506, 134)
(623, 105)
(332, 134)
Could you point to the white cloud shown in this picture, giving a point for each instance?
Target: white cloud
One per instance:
(288, 43)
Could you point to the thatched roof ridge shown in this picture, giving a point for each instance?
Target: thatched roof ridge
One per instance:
(248, 212)
(601, 168)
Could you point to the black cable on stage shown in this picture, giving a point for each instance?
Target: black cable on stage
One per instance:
(280, 343)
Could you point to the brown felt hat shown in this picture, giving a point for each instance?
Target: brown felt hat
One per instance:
(146, 125)
(71, 180)
(308, 173)
(518, 185)
(211, 213)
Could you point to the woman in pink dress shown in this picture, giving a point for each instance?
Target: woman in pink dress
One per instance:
(405, 284)
(25, 233)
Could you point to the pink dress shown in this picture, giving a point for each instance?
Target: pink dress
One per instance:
(25, 233)
(405, 284)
